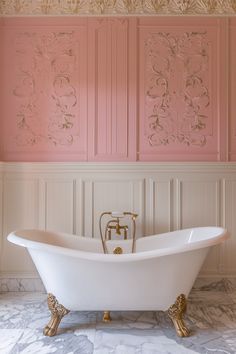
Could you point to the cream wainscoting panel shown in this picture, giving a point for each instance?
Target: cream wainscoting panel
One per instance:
(20, 210)
(228, 263)
(159, 211)
(112, 194)
(70, 197)
(1, 208)
(199, 202)
(59, 205)
(199, 205)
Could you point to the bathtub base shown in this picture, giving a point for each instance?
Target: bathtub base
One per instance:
(176, 312)
(58, 311)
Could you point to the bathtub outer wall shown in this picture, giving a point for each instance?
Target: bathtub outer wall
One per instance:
(149, 284)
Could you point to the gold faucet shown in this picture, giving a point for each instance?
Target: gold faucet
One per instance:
(114, 224)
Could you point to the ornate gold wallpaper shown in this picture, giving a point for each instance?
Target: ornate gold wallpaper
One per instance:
(116, 7)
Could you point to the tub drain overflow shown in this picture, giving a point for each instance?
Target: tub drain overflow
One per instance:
(118, 250)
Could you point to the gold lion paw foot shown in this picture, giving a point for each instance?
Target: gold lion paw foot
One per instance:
(106, 316)
(50, 330)
(58, 311)
(181, 328)
(176, 312)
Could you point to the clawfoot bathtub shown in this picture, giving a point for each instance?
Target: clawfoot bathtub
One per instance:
(158, 276)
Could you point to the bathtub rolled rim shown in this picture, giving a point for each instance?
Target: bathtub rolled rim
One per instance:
(128, 257)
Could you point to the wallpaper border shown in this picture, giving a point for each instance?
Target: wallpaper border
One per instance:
(116, 7)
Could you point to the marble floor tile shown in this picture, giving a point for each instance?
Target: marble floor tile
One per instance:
(34, 342)
(128, 320)
(136, 342)
(8, 339)
(211, 316)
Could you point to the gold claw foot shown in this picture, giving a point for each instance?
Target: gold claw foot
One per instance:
(106, 316)
(57, 312)
(176, 313)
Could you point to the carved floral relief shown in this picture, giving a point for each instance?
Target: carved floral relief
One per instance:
(45, 89)
(177, 94)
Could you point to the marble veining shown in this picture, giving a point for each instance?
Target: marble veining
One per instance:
(21, 284)
(211, 315)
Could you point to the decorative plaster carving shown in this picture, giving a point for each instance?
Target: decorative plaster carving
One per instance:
(45, 66)
(177, 98)
(97, 7)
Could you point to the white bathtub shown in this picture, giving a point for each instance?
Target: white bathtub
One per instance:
(75, 270)
(77, 274)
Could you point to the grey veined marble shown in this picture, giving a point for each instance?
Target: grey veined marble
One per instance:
(211, 316)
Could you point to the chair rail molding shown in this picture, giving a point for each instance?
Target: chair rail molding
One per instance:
(70, 197)
(117, 7)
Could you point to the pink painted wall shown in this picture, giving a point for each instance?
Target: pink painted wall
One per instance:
(112, 94)
(180, 89)
(232, 85)
(45, 90)
(117, 89)
(1, 89)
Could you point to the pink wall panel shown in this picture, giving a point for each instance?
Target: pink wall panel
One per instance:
(180, 89)
(232, 82)
(45, 90)
(1, 88)
(117, 89)
(112, 113)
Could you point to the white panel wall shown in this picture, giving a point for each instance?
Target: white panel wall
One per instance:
(117, 194)
(1, 209)
(200, 205)
(71, 197)
(228, 260)
(159, 216)
(59, 205)
(20, 210)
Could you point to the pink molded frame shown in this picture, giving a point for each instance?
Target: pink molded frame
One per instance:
(45, 89)
(112, 89)
(182, 89)
(232, 85)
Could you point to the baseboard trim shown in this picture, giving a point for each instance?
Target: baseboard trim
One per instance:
(13, 282)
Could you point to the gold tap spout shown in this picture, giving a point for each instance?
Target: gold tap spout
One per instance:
(118, 227)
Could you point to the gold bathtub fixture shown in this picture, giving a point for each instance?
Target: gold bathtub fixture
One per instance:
(118, 250)
(58, 311)
(114, 225)
(117, 227)
(106, 316)
(176, 313)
